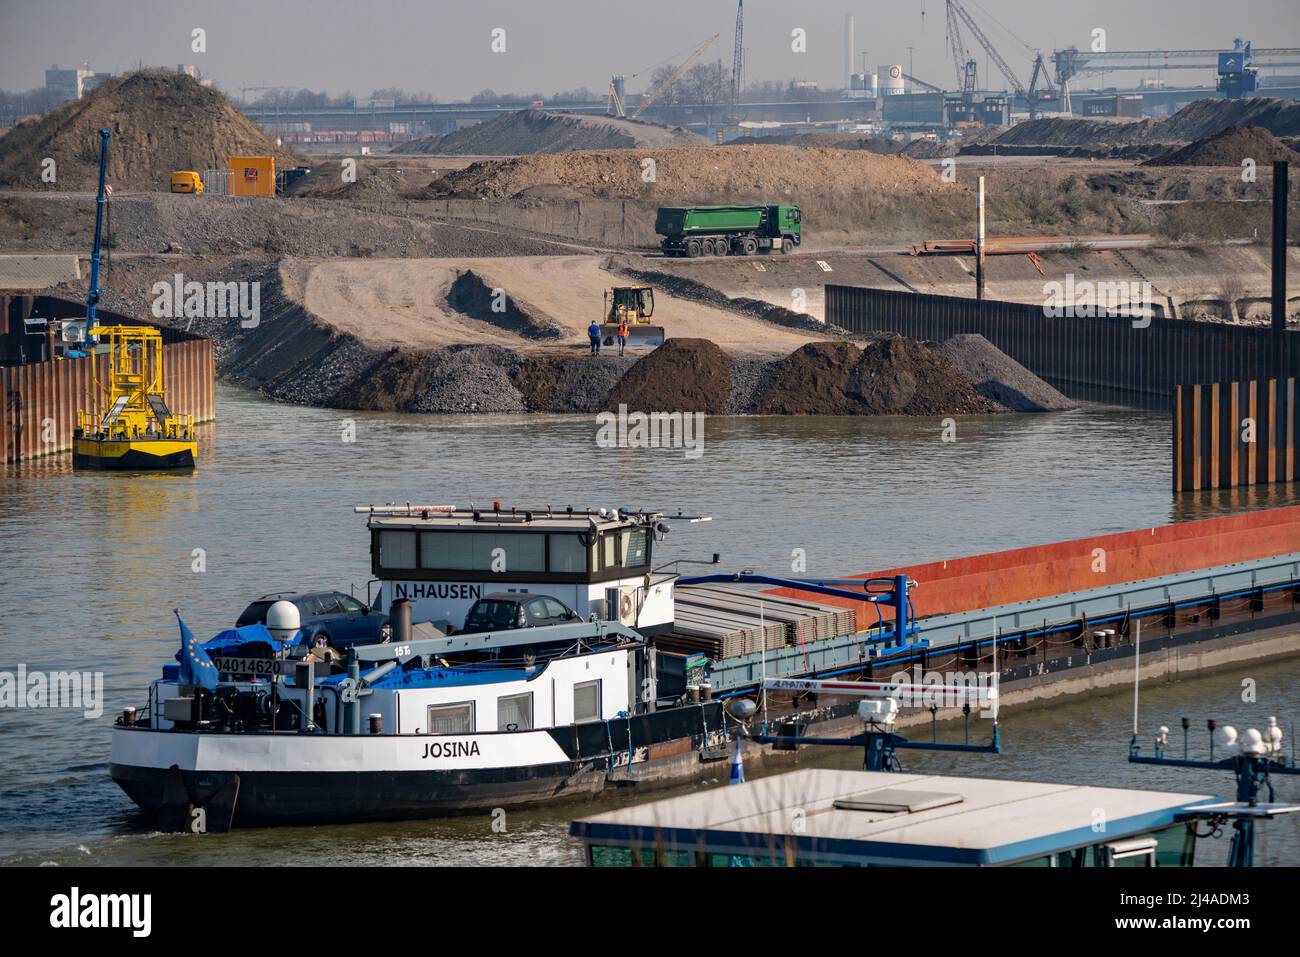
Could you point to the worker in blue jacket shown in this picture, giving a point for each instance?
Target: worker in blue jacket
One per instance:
(593, 332)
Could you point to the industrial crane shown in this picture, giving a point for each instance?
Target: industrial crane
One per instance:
(1236, 67)
(614, 100)
(737, 61)
(1031, 94)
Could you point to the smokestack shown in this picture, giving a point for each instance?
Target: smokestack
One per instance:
(1279, 266)
(848, 51)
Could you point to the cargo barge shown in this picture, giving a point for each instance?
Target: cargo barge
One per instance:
(257, 726)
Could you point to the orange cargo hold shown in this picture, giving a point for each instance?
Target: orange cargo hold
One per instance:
(1039, 571)
(251, 175)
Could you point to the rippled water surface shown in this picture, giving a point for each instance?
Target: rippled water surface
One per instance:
(93, 564)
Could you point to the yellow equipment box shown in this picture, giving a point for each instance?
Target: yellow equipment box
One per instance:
(186, 181)
(251, 175)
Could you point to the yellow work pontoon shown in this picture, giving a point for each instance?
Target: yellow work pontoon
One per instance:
(137, 431)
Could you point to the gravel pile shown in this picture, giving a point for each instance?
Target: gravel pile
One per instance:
(682, 375)
(470, 379)
(1001, 379)
(580, 384)
(749, 377)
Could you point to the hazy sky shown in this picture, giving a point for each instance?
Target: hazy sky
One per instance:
(443, 46)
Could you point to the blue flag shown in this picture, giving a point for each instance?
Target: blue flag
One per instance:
(737, 765)
(196, 667)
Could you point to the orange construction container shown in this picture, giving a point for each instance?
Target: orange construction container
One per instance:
(251, 175)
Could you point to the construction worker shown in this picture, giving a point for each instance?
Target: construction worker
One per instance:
(593, 333)
(622, 334)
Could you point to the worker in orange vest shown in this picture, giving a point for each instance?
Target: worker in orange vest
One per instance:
(622, 334)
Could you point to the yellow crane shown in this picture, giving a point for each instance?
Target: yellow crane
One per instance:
(615, 102)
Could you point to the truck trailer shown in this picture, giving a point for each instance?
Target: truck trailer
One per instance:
(727, 230)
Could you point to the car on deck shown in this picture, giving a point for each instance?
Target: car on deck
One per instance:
(506, 610)
(328, 617)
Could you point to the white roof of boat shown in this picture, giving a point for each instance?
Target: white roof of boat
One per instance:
(558, 521)
(890, 817)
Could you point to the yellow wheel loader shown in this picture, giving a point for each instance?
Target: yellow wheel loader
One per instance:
(633, 305)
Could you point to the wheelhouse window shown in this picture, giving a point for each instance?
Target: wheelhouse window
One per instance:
(397, 549)
(586, 701)
(515, 712)
(483, 551)
(568, 554)
(455, 718)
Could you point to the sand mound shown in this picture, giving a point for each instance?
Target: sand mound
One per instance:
(892, 376)
(160, 122)
(682, 375)
(735, 174)
(1228, 148)
(536, 131)
(1000, 378)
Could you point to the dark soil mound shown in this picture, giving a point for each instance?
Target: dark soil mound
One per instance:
(893, 376)
(160, 122)
(812, 380)
(682, 375)
(1228, 148)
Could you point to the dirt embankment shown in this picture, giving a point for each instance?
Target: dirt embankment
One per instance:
(160, 122)
(536, 131)
(683, 287)
(1229, 148)
(754, 173)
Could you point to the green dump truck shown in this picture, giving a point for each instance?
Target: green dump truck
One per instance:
(727, 230)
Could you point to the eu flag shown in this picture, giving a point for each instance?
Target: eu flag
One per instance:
(196, 667)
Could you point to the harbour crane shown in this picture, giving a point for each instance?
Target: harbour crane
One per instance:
(1031, 95)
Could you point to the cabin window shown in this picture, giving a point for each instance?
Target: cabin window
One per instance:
(568, 554)
(455, 718)
(636, 547)
(607, 557)
(483, 551)
(515, 712)
(397, 549)
(586, 701)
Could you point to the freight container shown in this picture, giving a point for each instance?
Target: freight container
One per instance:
(251, 175)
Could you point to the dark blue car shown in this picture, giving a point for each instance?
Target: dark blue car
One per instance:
(328, 617)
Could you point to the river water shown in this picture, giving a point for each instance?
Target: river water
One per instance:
(93, 564)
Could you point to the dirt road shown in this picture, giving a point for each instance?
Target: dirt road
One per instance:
(404, 302)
